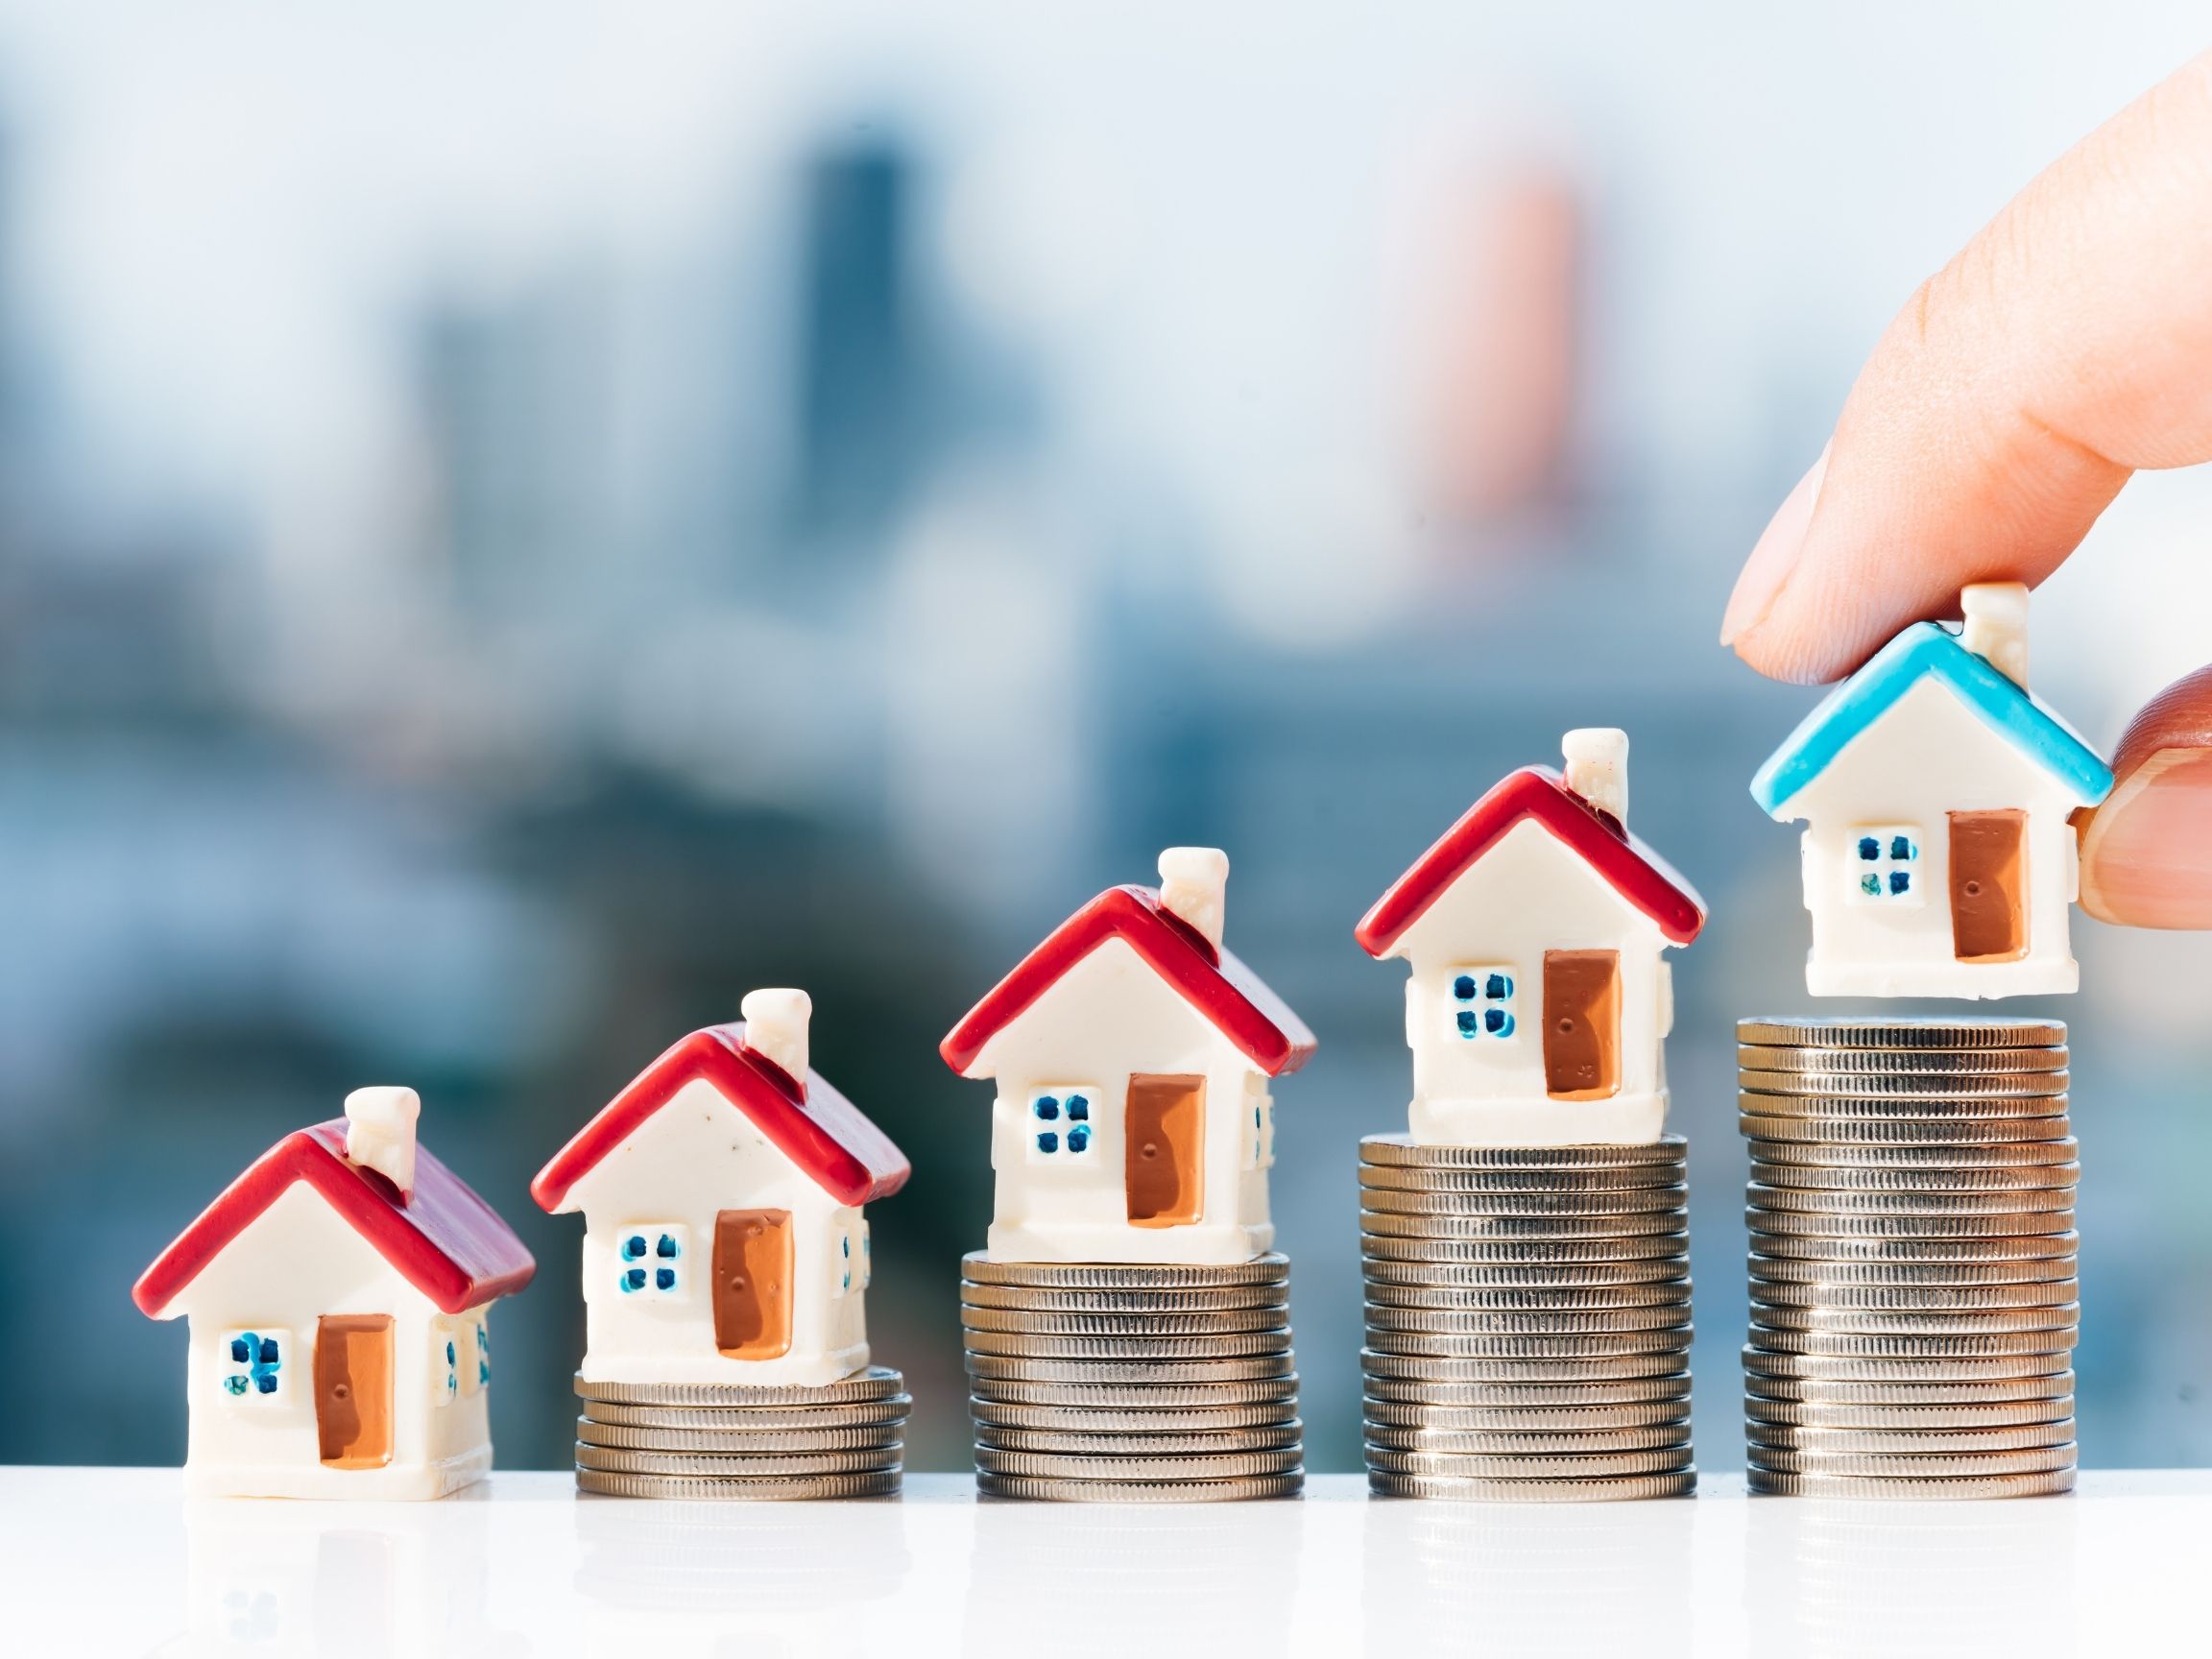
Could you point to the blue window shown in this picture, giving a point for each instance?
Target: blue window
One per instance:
(253, 1363)
(1884, 867)
(652, 1259)
(1060, 1123)
(1047, 1141)
(483, 1352)
(1483, 1003)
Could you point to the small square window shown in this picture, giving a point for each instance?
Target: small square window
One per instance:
(652, 1259)
(446, 1337)
(1060, 1124)
(867, 1256)
(253, 1363)
(482, 1370)
(1483, 1003)
(1885, 866)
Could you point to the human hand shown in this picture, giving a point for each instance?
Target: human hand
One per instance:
(2069, 344)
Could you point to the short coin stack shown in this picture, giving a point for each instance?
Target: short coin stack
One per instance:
(1527, 1321)
(1131, 1383)
(1914, 1299)
(717, 1441)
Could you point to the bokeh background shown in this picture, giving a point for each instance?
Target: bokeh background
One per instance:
(518, 523)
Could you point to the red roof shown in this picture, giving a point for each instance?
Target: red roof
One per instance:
(1211, 982)
(810, 1124)
(441, 1238)
(1636, 873)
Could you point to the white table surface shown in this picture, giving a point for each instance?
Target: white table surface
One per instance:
(114, 1561)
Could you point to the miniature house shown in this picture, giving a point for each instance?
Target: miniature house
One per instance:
(1936, 793)
(1539, 1001)
(1132, 1053)
(337, 1294)
(722, 1192)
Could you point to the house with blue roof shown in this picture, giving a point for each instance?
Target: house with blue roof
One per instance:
(1938, 795)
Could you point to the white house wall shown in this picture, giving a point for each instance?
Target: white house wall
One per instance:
(1109, 1017)
(1927, 756)
(295, 1262)
(695, 1157)
(1529, 893)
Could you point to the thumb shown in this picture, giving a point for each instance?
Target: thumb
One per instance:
(2147, 853)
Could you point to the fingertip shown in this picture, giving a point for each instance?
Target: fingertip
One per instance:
(2146, 851)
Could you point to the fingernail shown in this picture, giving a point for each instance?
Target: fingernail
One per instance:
(1771, 561)
(2147, 858)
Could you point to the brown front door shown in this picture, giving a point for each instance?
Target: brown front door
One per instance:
(753, 1282)
(354, 1390)
(1581, 1024)
(1988, 886)
(1165, 1169)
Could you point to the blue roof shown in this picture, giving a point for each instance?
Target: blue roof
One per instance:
(1925, 651)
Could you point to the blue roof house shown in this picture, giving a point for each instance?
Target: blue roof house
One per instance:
(1938, 793)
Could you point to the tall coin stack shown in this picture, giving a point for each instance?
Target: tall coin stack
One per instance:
(708, 1440)
(1132, 1382)
(1914, 1298)
(1527, 1321)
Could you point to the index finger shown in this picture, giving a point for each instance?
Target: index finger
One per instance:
(2069, 344)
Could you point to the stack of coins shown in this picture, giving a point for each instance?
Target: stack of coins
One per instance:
(1132, 1382)
(1527, 1321)
(714, 1440)
(1914, 1299)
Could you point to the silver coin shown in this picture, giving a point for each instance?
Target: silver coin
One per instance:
(1899, 1062)
(607, 1462)
(1773, 1270)
(1404, 1149)
(1626, 1201)
(1526, 1322)
(1011, 1368)
(1832, 1178)
(1094, 1420)
(1669, 1248)
(1652, 1223)
(1593, 1368)
(1260, 1487)
(1225, 1346)
(1891, 1322)
(1831, 1201)
(1563, 1466)
(1917, 1086)
(1465, 1490)
(976, 1267)
(1767, 1225)
(2058, 1247)
(876, 1383)
(858, 1414)
(724, 1489)
(1765, 1483)
(1064, 1443)
(1817, 1115)
(1572, 1299)
(1393, 1414)
(1845, 1344)
(1910, 1371)
(1591, 1345)
(1535, 1443)
(747, 1442)
(1658, 1276)
(1942, 1419)
(1919, 1298)
(1845, 1032)
(1202, 1327)
(1669, 1391)
(1560, 1182)
(2006, 1155)
(1977, 1391)
(1919, 1131)
(1823, 1440)
(1935, 1465)
(1026, 1299)
(1147, 1396)
(1047, 1466)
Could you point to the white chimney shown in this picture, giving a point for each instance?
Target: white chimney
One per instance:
(1597, 768)
(1192, 882)
(775, 1028)
(380, 1132)
(1997, 626)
